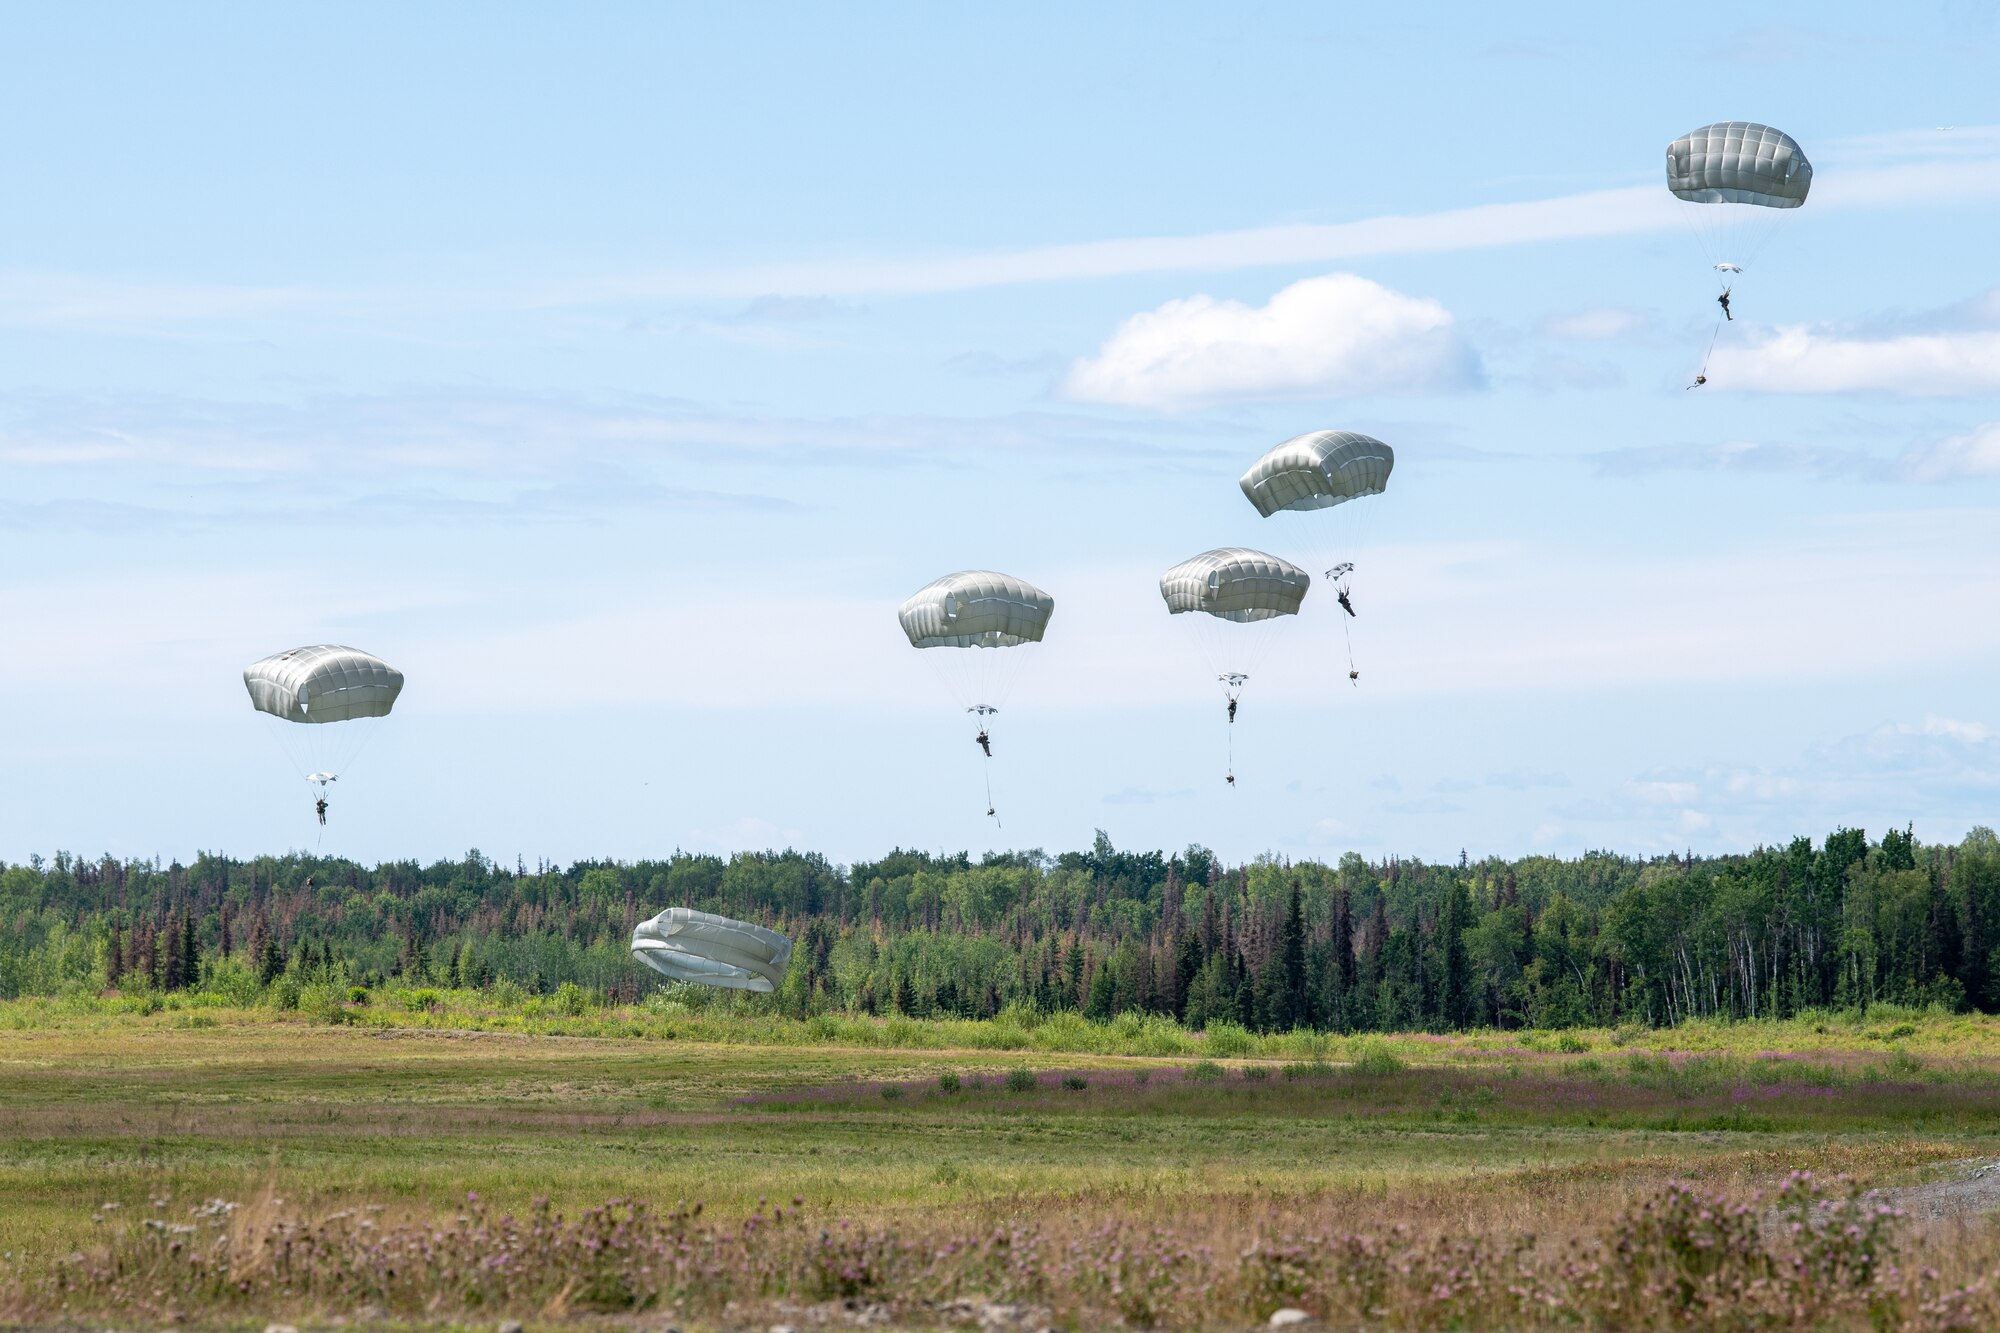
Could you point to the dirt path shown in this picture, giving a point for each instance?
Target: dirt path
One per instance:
(1965, 1189)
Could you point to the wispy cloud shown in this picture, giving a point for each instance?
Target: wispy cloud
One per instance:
(1599, 324)
(1909, 170)
(349, 437)
(1815, 460)
(1523, 779)
(1972, 455)
(1332, 335)
(1943, 772)
(1957, 458)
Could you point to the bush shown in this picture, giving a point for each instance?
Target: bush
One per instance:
(1021, 1080)
(422, 1000)
(571, 1000)
(891, 1092)
(1571, 1044)
(947, 1082)
(1075, 1082)
(1256, 1073)
(1377, 1060)
(1228, 1040)
(1311, 1069)
(357, 995)
(1204, 1071)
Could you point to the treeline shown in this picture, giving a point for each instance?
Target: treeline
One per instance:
(1358, 945)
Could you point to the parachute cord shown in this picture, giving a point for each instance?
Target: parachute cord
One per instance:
(986, 770)
(1347, 633)
(1716, 333)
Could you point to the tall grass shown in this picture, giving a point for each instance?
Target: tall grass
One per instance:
(1890, 1035)
(1817, 1254)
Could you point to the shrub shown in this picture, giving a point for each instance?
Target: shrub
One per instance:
(1377, 1060)
(1227, 1040)
(571, 1000)
(891, 1092)
(1256, 1073)
(1569, 1043)
(1075, 1082)
(1310, 1069)
(1021, 1080)
(1143, 1077)
(1204, 1071)
(357, 995)
(422, 1000)
(947, 1082)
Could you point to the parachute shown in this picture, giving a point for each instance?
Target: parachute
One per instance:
(1326, 472)
(321, 692)
(685, 945)
(1736, 179)
(1739, 162)
(1233, 597)
(985, 613)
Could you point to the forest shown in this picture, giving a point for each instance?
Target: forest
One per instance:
(1357, 945)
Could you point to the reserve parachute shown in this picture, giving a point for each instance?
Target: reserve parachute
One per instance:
(1233, 599)
(1736, 180)
(682, 944)
(976, 626)
(1331, 475)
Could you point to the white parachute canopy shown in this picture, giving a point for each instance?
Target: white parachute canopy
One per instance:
(1332, 475)
(324, 694)
(977, 624)
(1736, 180)
(682, 944)
(1233, 599)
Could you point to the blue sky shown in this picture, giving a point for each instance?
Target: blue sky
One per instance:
(615, 371)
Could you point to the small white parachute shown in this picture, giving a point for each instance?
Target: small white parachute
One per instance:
(1727, 268)
(682, 944)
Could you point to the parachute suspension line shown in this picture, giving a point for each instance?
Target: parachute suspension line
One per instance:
(1347, 633)
(1232, 689)
(1713, 335)
(982, 712)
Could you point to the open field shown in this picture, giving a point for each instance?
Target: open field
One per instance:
(1483, 1138)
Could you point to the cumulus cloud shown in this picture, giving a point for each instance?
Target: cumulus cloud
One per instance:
(1804, 360)
(1337, 334)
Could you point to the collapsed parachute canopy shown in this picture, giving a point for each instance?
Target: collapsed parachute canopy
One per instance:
(323, 683)
(685, 945)
(1318, 470)
(1235, 584)
(976, 609)
(1739, 162)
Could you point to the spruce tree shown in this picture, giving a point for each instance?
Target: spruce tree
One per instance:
(1292, 1009)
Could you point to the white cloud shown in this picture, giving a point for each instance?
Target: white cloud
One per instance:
(1657, 792)
(1336, 334)
(1803, 360)
(1973, 733)
(1961, 456)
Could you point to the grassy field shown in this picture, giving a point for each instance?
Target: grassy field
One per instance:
(924, 1139)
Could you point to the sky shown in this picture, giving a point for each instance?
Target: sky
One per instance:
(615, 371)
